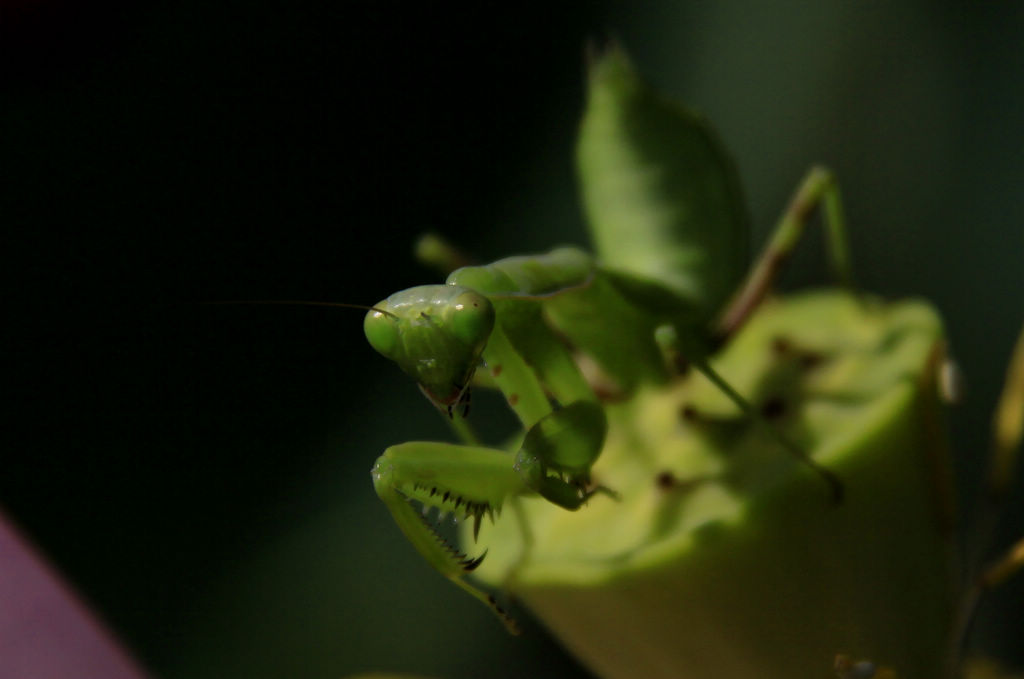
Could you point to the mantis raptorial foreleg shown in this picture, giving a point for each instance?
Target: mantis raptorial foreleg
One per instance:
(473, 482)
(469, 481)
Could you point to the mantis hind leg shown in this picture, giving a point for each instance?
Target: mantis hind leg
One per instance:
(818, 188)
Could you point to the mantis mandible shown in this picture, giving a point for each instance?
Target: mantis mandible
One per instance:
(663, 202)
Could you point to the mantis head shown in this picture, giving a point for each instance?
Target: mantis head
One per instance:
(436, 334)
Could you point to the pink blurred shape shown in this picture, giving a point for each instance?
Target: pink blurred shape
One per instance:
(45, 631)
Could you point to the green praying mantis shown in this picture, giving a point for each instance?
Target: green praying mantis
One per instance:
(664, 206)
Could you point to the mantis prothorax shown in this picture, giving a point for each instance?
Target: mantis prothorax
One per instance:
(663, 202)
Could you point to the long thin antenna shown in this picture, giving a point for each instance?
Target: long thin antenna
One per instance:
(292, 302)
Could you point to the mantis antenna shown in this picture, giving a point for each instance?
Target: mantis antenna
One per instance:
(292, 302)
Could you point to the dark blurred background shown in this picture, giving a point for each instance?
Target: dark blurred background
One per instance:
(200, 473)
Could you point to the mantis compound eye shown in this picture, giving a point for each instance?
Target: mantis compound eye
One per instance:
(472, 318)
(381, 332)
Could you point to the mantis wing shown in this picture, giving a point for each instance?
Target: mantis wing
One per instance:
(660, 193)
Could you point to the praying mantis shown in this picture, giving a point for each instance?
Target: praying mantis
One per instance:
(663, 202)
